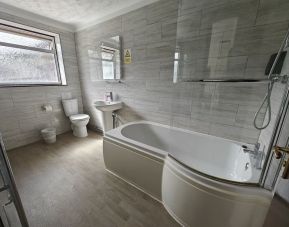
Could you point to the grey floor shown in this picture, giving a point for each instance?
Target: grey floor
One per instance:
(65, 184)
(278, 215)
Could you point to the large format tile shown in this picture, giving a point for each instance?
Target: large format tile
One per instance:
(213, 39)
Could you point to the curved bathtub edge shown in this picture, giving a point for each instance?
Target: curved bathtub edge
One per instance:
(223, 188)
(181, 200)
(142, 144)
(172, 214)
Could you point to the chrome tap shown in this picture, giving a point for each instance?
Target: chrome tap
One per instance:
(253, 152)
(257, 154)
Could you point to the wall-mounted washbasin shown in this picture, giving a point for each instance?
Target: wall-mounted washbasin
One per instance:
(105, 110)
(107, 106)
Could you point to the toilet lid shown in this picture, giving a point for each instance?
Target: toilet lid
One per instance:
(79, 117)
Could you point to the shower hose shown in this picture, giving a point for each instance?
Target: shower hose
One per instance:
(272, 80)
(266, 100)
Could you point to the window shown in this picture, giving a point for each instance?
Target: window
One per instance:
(29, 56)
(108, 64)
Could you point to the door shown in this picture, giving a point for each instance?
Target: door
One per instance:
(11, 210)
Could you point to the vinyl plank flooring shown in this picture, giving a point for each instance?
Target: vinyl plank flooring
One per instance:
(65, 185)
(278, 213)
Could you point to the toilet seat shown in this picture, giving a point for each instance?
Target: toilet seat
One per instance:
(79, 117)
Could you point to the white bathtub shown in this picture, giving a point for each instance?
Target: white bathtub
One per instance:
(194, 175)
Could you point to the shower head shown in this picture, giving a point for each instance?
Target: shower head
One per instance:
(278, 65)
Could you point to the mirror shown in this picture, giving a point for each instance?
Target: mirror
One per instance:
(110, 58)
(105, 62)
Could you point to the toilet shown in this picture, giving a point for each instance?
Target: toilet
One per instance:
(78, 121)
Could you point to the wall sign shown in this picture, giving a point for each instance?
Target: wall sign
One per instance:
(127, 56)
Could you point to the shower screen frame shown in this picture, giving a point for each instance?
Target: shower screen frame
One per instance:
(273, 167)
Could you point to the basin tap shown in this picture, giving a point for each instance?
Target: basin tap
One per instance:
(256, 153)
(108, 97)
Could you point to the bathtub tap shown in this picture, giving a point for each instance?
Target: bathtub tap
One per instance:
(256, 153)
(253, 152)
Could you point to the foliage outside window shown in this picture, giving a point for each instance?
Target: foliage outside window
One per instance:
(29, 56)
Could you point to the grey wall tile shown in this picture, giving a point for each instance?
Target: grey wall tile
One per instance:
(189, 25)
(244, 12)
(216, 38)
(23, 117)
(273, 11)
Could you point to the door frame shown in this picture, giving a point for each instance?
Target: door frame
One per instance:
(277, 132)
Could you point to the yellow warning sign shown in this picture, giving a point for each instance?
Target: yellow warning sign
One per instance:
(127, 56)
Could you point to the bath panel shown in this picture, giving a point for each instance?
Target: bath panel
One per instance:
(140, 170)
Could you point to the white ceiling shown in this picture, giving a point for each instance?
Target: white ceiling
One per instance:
(76, 14)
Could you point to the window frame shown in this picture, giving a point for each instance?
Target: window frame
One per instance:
(110, 51)
(56, 51)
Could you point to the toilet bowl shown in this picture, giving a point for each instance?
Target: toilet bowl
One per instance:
(78, 124)
(78, 121)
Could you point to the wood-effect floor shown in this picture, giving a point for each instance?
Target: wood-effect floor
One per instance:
(65, 185)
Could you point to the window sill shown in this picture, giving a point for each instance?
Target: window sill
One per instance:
(31, 85)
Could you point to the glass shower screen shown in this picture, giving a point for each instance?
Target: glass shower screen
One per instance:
(221, 54)
(223, 42)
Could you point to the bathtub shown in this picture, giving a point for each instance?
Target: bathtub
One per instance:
(201, 180)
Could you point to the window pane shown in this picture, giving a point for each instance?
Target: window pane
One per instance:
(24, 40)
(108, 70)
(107, 55)
(20, 66)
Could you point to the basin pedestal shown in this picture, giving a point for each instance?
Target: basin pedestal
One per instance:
(107, 121)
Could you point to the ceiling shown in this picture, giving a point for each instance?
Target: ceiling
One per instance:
(73, 14)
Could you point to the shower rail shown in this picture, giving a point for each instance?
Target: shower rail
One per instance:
(281, 78)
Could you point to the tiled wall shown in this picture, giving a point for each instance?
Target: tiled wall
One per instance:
(225, 110)
(20, 108)
(229, 39)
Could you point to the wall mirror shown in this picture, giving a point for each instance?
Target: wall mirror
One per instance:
(105, 62)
